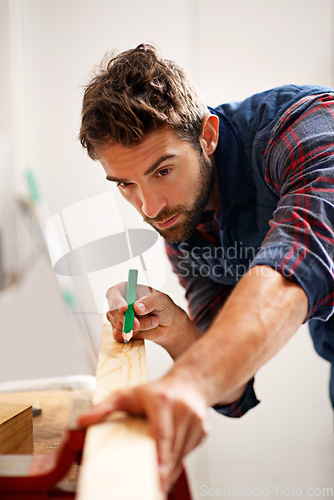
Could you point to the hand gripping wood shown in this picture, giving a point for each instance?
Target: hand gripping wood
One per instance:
(119, 460)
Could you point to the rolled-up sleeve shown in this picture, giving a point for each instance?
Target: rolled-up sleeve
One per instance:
(238, 408)
(299, 167)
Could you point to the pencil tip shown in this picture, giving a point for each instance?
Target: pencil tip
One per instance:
(127, 336)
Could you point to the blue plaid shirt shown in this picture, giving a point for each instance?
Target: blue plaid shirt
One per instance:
(275, 166)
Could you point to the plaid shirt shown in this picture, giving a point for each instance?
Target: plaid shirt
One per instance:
(276, 179)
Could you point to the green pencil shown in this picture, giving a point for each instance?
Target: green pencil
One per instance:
(129, 316)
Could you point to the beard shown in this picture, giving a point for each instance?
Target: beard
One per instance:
(181, 231)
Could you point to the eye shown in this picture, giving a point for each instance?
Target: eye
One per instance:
(123, 184)
(164, 172)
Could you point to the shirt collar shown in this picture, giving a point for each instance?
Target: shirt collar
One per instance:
(209, 221)
(235, 183)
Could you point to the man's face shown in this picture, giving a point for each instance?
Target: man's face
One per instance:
(165, 178)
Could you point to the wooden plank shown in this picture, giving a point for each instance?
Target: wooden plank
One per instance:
(119, 460)
(16, 429)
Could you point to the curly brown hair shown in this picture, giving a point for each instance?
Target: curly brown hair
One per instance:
(136, 92)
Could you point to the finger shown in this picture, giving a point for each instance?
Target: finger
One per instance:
(142, 329)
(191, 435)
(139, 327)
(182, 422)
(116, 296)
(147, 323)
(178, 467)
(143, 290)
(195, 433)
(162, 429)
(116, 318)
(191, 429)
(117, 330)
(120, 401)
(156, 301)
(117, 334)
(174, 476)
(97, 413)
(117, 325)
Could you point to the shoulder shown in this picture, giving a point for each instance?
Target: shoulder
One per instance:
(264, 107)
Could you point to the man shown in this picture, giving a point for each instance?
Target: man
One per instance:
(243, 195)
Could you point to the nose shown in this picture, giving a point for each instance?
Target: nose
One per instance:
(152, 203)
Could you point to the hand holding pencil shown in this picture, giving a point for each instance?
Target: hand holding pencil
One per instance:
(153, 316)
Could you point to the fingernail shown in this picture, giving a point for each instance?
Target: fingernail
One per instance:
(141, 307)
(155, 321)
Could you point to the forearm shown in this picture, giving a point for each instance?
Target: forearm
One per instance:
(258, 319)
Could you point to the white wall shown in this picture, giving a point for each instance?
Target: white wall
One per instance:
(7, 217)
(232, 49)
(249, 46)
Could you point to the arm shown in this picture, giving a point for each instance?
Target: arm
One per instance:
(259, 317)
(205, 299)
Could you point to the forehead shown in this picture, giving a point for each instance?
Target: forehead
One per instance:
(154, 145)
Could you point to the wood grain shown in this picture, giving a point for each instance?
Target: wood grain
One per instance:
(119, 460)
(16, 429)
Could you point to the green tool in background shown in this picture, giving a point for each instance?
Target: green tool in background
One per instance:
(129, 316)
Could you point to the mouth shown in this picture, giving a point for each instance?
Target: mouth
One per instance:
(167, 223)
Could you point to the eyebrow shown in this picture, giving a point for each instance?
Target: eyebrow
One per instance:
(154, 167)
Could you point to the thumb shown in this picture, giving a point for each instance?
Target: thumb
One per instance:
(122, 401)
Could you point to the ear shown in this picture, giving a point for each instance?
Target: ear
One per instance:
(210, 133)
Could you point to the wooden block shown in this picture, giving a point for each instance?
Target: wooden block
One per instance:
(119, 459)
(16, 429)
